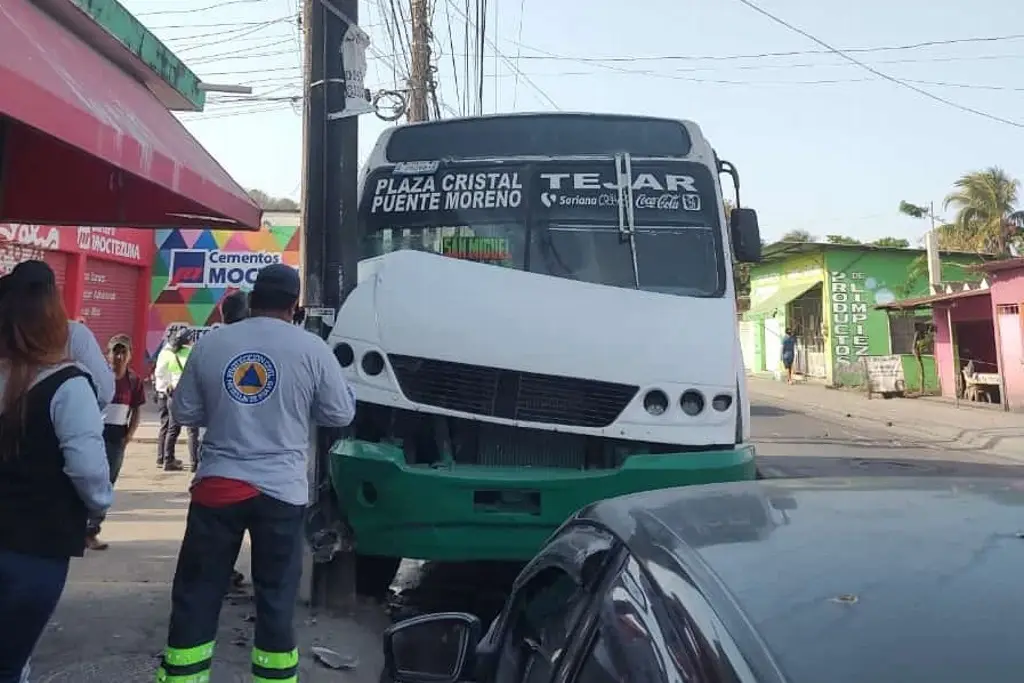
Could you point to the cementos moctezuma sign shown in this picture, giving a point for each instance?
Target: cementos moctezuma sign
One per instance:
(202, 268)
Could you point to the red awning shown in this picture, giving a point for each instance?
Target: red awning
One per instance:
(87, 144)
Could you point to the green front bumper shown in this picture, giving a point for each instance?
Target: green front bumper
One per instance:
(472, 512)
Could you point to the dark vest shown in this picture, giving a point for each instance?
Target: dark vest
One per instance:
(40, 511)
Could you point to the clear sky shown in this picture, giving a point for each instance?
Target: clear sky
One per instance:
(821, 144)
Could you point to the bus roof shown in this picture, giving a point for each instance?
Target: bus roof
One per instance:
(568, 134)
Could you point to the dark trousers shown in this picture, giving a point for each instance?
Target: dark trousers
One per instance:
(115, 458)
(168, 436)
(163, 407)
(212, 540)
(30, 588)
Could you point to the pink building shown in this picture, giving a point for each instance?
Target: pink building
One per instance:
(979, 328)
(1007, 294)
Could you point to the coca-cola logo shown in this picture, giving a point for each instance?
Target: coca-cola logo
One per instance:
(663, 202)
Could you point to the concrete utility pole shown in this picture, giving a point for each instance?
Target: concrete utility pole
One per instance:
(330, 244)
(420, 78)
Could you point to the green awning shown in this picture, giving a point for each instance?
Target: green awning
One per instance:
(782, 296)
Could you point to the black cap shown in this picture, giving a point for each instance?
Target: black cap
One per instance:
(29, 273)
(278, 278)
(35, 273)
(234, 307)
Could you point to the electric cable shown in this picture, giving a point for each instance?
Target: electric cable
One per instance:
(519, 51)
(508, 63)
(881, 74)
(195, 10)
(451, 42)
(553, 56)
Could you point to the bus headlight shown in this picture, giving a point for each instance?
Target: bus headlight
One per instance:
(722, 402)
(692, 402)
(656, 402)
(373, 363)
(345, 355)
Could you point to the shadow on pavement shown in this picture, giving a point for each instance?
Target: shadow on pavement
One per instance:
(812, 466)
(111, 626)
(764, 410)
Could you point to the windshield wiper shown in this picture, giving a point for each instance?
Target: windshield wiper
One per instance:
(627, 217)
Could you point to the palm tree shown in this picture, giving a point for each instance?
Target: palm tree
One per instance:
(986, 219)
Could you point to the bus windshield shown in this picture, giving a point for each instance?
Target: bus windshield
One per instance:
(563, 219)
(669, 260)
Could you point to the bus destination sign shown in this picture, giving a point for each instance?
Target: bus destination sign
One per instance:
(449, 191)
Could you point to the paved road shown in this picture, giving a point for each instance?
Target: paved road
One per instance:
(793, 443)
(115, 606)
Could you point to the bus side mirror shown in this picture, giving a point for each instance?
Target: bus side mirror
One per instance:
(746, 235)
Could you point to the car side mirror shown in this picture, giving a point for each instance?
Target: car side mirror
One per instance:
(746, 235)
(433, 648)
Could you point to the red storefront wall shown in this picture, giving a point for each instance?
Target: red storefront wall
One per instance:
(104, 274)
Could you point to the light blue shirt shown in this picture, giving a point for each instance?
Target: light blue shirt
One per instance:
(258, 386)
(85, 351)
(79, 427)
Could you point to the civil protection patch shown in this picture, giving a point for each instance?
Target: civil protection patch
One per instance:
(250, 378)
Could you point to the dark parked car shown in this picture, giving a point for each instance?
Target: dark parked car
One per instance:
(899, 580)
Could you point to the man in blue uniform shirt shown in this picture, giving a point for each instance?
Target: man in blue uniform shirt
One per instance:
(258, 386)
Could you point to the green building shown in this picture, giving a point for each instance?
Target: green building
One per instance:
(826, 294)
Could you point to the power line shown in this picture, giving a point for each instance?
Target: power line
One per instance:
(245, 53)
(519, 50)
(451, 43)
(546, 55)
(508, 62)
(231, 36)
(716, 81)
(876, 72)
(194, 10)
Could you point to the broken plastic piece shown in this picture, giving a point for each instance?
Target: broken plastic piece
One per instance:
(333, 660)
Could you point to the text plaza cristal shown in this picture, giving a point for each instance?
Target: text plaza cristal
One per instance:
(452, 191)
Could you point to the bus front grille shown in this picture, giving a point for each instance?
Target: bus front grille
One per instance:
(510, 394)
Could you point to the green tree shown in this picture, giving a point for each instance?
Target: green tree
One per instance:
(986, 218)
(841, 239)
(892, 242)
(798, 236)
(268, 203)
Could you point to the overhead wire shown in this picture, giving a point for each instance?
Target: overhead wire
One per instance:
(451, 43)
(194, 10)
(509, 64)
(480, 54)
(547, 55)
(519, 51)
(881, 74)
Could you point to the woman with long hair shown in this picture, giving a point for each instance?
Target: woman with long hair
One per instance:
(53, 467)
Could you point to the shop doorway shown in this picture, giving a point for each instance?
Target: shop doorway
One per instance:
(805, 318)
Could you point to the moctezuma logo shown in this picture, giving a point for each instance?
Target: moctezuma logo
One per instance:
(188, 268)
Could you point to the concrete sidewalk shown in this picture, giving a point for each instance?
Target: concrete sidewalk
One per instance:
(112, 620)
(924, 420)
